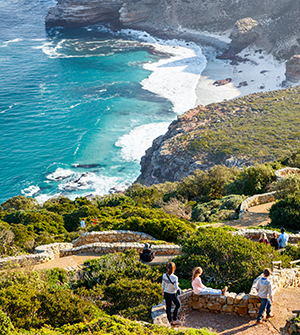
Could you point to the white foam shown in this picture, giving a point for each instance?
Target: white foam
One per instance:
(174, 78)
(44, 197)
(139, 140)
(30, 191)
(5, 44)
(59, 174)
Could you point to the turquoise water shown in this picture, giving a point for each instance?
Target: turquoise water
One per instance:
(66, 99)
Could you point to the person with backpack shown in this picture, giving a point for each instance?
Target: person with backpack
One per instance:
(147, 255)
(170, 291)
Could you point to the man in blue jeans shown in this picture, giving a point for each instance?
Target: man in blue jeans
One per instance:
(264, 290)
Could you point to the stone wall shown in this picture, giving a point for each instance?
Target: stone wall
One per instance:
(254, 234)
(286, 172)
(105, 248)
(43, 254)
(257, 199)
(292, 326)
(232, 303)
(111, 236)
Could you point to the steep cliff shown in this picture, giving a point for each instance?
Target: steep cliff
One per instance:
(260, 127)
(278, 19)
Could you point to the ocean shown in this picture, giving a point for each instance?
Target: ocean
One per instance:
(79, 107)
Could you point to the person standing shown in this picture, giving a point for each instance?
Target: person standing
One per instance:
(264, 290)
(274, 241)
(283, 238)
(169, 290)
(95, 220)
(82, 223)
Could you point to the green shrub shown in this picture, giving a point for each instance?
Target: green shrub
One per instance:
(113, 267)
(19, 203)
(29, 307)
(37, 221)
(60, 205)
(6, 327)
(286, 212)
(218, 210)
(225, 259)
(287, 186)
(207, 185)
(253, 180)
(72, 220)
(133, 298)
(292, 251)
(143, 195)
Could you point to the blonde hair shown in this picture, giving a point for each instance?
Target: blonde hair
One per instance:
(171, 268)
(197, 271)
(263, 236)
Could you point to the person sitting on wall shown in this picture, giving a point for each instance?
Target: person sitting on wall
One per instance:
(263, 238)
(201, 289)
(147, 255)
(274, 241)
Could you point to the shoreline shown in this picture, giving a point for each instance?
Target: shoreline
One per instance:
(260, 73)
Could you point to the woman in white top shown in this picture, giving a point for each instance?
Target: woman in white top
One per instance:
(199, 288)
(169, 290)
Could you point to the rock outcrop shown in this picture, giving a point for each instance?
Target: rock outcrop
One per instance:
(292, 73)
(277, 20)
(244, 33)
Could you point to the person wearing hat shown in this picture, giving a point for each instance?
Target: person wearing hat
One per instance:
(147, 255)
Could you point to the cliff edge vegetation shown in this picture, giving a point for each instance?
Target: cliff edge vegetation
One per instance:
(257, 128)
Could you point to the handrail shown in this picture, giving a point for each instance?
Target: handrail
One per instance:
(275, 263)
(294, 262)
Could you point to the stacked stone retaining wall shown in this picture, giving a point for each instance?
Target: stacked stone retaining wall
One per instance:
(255, 200)
(232, 303)
(254, 234)
(105, 248)
(292, 326)
(111, 236)
(43, 254)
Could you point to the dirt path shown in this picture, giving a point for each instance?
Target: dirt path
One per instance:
(286, 300)
(76, 261)
(255, 216)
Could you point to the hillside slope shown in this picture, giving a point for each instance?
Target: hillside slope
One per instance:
(279, 25)
(260, 127)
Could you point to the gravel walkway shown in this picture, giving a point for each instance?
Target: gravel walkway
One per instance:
(286, 300)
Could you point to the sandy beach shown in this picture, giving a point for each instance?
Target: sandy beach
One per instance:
(260, 73)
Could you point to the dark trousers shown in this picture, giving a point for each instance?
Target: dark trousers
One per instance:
(265, 304)
(169, 298)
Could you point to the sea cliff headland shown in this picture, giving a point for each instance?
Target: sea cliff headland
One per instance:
(250, 47)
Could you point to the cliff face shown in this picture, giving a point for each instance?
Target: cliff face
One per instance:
(235, 133)
(277, 19)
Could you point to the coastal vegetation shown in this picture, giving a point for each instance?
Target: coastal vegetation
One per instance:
(111, 293)
(253, 127)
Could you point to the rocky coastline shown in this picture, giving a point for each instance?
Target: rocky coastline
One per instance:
(271, 26)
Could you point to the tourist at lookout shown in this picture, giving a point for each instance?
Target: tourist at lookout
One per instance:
(274, 241)
(147, 255)
(82, 223)
(263, 238)
(283, 238)
(201, 289)
(169, 290)
(264, 290)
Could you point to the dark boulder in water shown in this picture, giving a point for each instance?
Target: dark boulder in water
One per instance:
(86, 166)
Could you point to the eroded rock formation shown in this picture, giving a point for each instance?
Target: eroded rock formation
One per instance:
(293, 69)
(278, 20)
